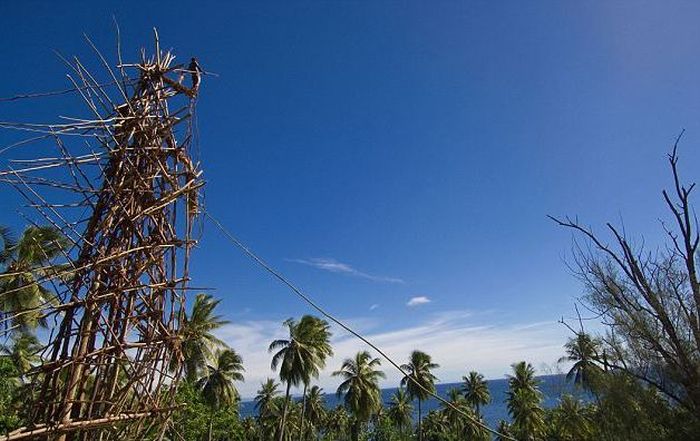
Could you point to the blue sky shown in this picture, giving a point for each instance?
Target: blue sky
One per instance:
(379, 152)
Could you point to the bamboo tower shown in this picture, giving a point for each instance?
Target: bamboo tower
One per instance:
(123, 188)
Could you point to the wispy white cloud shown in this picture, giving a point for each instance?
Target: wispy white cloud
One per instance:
(457, 340)
(374, 306)
(418, 300)
(333, 266)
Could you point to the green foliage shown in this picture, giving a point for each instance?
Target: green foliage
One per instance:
(304, 353)
(315, 411)
(584, 351)
(435, 427)
(10, 388)
(192, 420)
(627, 409)
(476, 390)
(571, 420)
(400, 412)
(385, 429)
(524, 403)
(198, 340)
(300, 357)
(22, 352)
(460, 417)
(453, 412)
(624, 408)
(625, 402)
(27, 263)
(216, 385)
(648, 302)
(337, 425)
(360, 388)
(266, 394)
(419, 380)
(268, 406)
(505, 429)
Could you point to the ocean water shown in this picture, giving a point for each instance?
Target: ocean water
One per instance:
(552, 387)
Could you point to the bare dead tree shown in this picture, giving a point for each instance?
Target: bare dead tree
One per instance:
(128, 200)
(649, 301)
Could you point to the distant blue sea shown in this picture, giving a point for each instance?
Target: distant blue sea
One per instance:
(552, 387)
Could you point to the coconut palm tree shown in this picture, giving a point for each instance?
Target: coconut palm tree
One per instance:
(419, 380)
(474, 428)
(27, 263)
(23, 352)
(360, 387)
(316, 333)
(504, 429)
(455, 410)
(572, 420)
(524, 403)
(337, 422)
(435, 426)
(198, 340)
(270, 421)
(265, 395)
(301, 356)
(400, 411)
(293, 421)
(217, 383)
(315, 410)
(583, 351)
(268, 407)
(460, 418)
(250, 428)
(476, 390)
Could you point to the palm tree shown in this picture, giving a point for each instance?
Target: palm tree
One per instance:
(250, 428)
(293, 420)
(27, 264)
(198, 340)
(217, 386)
(265, 395)
(315, 410)
(23, 353)
(270, 422)
(504, 429)
(419, 380)
(361, 388)
(301, 356)
(455, 410)
(475, 428)
(460, 417)
(337, 422)
(316, 333)
(435, 426)
(268, 406)
(583, 351)
(523, 399)
(400, 410)
(572, 420)
(476, 390)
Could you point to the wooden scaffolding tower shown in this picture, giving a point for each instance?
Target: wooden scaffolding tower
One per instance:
(111, 364)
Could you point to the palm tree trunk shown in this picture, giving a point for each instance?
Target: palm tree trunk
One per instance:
(211, 425)
(303, 409)
(420, 430)
(280, 435)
